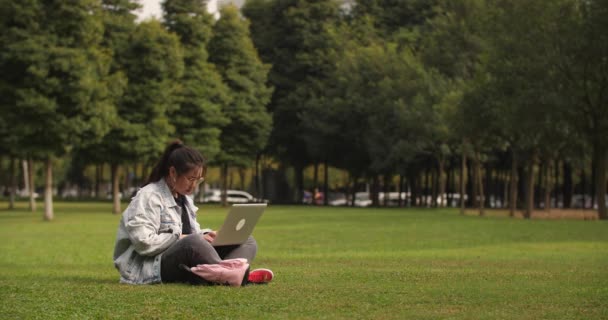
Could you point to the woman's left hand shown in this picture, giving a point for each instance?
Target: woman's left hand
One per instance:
(210, 236)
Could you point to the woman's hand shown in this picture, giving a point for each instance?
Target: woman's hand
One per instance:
(210, 236)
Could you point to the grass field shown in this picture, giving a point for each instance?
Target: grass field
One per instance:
(329, 263)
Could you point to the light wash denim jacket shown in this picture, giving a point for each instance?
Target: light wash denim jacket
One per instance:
(149, 226)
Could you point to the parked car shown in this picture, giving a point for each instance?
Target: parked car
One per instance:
(362, 199)
(232, 196)
(337, 199)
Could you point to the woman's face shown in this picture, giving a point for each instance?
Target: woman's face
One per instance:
(186, 183)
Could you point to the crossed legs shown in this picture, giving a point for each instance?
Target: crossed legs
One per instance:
(194, 250)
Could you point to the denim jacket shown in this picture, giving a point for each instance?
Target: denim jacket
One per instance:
(149, 226)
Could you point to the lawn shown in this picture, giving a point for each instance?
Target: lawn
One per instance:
(329, 263)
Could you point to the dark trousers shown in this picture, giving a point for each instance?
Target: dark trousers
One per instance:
(194, 250)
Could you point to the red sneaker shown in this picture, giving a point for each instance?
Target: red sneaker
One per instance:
(260, 276)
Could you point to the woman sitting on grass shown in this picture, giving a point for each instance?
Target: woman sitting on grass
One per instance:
(159, 239)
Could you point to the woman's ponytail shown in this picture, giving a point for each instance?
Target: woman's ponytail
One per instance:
(179, 156)
(161, 168)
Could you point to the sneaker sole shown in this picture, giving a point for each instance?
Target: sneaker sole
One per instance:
(267, 276)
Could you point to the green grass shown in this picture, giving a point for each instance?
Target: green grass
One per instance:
(330, 263)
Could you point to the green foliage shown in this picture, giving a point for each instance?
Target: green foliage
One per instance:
(580, 56)
(298, 43)
(392, 16)
(453, 49)
(119, 22)
(413, 264)
(379, 103)
(53, 79)
(119, 25)
(582, 63)
(233, 53)
(522, 84)
(153, 65)
(452, 42)
(201, 95)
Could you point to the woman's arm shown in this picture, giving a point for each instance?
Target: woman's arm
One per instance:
(143, 225)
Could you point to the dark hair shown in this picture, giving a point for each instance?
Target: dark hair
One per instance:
(180, 156)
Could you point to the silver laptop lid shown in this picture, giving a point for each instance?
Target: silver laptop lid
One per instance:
(239, 224)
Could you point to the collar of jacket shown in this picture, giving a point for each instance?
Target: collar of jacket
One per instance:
(169, 200)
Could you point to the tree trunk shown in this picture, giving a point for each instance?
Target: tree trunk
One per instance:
(242, 177)
(479, 176)
(449, 185)
(555, 191)
(463, 170)
(12, 184)
(386, 181)
(127, 181)
(568, 188)
(489, 186)
(354, 191)
(325, 183)
(299, 172)
(506, 185)
(48, 190)
(513, 186)
(401, 181)
(548, 186)
(601, 156)
(471, 185)
(374, 193)
(530, 189)
(98, 181)
(475, 179)
(427, 188)
(230, 179)
(594, 181)
(434, 188)
(30, 180)
(583, 185)
(224, 179)
(202, 190)
(115, 188)
(315, 176)
(256, 177)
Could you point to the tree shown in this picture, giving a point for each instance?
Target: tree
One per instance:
(452, 45)
(386, 90)
(294, 37)
(391, 18)
(522, 89)
(233, 53)
(580, 39)
(202, 96)
(153, 66)
(53, 75)
(119, 25)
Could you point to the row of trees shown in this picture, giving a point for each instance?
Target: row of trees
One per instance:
(378, 88)
(82, 78)
(382, 88)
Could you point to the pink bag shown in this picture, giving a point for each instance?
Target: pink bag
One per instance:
(230, 272)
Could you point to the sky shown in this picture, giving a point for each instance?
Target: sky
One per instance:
(151, 8)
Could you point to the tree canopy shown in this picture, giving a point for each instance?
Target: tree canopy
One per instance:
(487, 92)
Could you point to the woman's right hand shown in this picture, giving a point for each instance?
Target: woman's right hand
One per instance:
(210, 236)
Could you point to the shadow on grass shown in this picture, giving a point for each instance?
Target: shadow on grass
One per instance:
(85, 280)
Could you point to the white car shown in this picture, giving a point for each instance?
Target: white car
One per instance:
(233, 196)
(362, 199)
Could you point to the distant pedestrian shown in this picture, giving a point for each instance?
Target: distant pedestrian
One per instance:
(319, 196)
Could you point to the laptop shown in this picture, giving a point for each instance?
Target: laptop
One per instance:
(239, 224)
